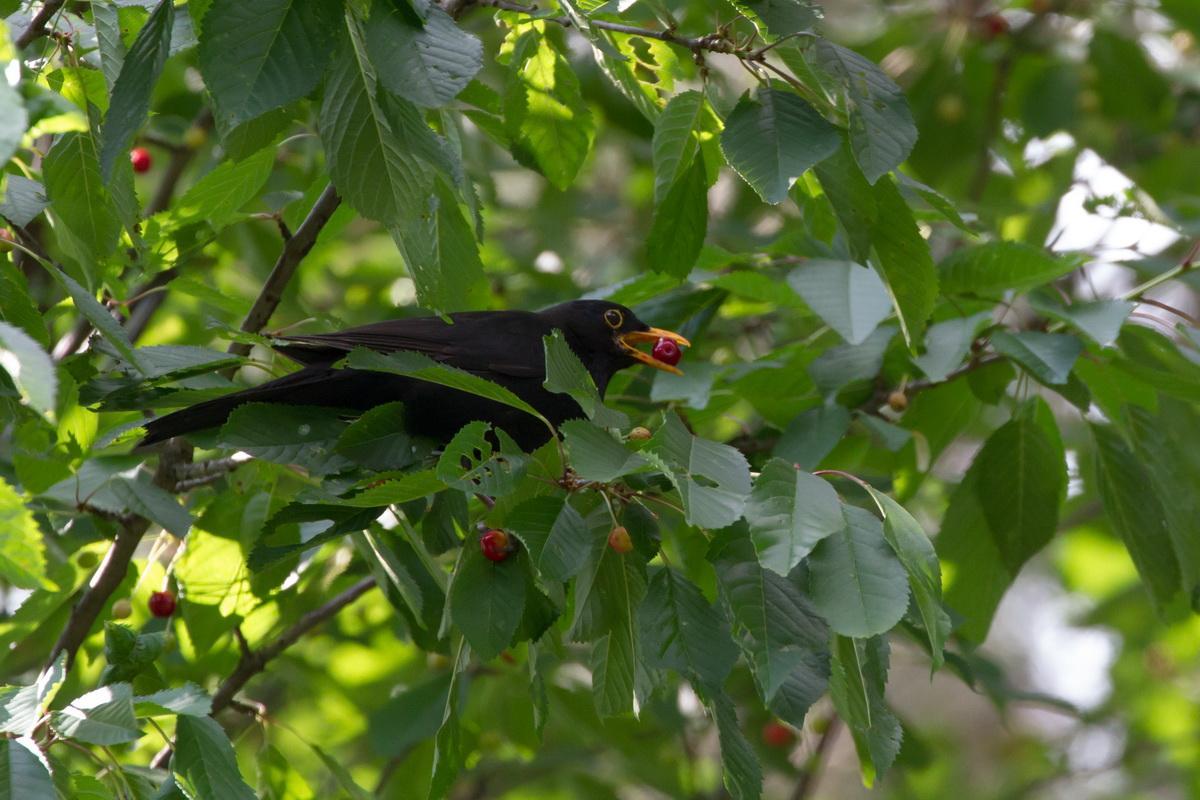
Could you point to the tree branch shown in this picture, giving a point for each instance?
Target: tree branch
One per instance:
(294, 249)
(37, 25)
(112, 569)
(252, 662)
(812, 768)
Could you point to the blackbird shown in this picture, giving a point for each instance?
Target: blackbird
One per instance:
(503, 346)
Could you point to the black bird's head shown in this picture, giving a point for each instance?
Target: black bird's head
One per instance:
(606, 336)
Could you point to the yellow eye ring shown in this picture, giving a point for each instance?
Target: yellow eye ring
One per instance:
(614, 318)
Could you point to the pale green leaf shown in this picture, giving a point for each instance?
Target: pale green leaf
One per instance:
(850, 298)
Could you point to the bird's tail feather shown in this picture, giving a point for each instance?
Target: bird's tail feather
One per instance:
(310, 386)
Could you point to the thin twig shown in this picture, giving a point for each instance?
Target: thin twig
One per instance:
(812, 770)
(294, 249)
(37, 25)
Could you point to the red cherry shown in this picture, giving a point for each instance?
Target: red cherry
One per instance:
(162, 604)
(141, 160)
(667, 352)
(776, 734)
(994, 26)
(618, 539)
(496, 545)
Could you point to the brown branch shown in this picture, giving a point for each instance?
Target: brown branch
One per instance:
(294, 249)
(112, 569)
(37, 25)
(252, 662)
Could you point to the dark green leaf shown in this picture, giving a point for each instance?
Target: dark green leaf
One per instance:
(24, 199)
(565, 373)
(742, 772)
(131, 92)
(680, 223)
(713, 479)
(204, 764)
(285, 434)
(677, 134)
(470, 463)
(860, 669)
(789, 511)
(1046, 356)
(947, 344)
(556, 535)
(24, 770)
(992, 267)
(680, 630)
(487, 599)
(377, 439)
(595, 454)
(426, 64)
(812, 435)
(29, 367)
(79, 195)
(440, 253)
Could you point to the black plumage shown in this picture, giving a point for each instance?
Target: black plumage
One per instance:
(503, 346)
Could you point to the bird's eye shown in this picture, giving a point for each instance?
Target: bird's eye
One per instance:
(613, 318)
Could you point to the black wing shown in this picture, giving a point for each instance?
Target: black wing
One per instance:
(501, 342)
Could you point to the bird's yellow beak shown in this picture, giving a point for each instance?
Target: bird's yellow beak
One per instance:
(629, 342)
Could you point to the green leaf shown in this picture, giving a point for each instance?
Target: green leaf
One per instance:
(742, 772)
(693, 388)
(415, 365)
(812, 435)
(189, 700)
(440, 254)
(947, 344)
(409, 717)
(860, 669)
(850, 298)
(547, 120)
(22, 551)
(687, 119)
(680, 630)
(448, 747)
(846, 363)
(595, 454)
(343, 520)
(406, 580)
(285, 434)
(13, 119)
(128, 652)
(204, 764)
(426, 64)
(882, 130)
(1135, 511)
(130, 100)
(259, 56)
(1100, 320)
(1004, 511)
(487, 599)
(780, 17)
(106, 17)
(607, 596)
(904, 259)
(916, 553)
(142, 496)
(566, 374)
(24, 770)
(471, 463)
(712, 479)
(79, 195)
(24, 199)
(680, 224)
(785, 641)
(219, 195)
(377, 439)
(789, 511)
(103, 716)
(994, 266)
(30, 369)
(99, 316)
(556, 535)
(1046, 356)
(613, 663)
(773, 138)
(855, 580)
(369, 142)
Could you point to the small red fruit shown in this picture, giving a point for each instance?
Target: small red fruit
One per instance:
(162, 604)
(141, 160)
(667, 352)
(496, 545)
(776, 734)
(994, 26)
(618, 539)
(6, 239)
(122, 609)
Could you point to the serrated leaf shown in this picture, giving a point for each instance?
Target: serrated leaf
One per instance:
(773, 138)
(860, 669)
(79, 195)
(812, 435)
(1048, 357)
(23, 200)
(285, 434)
(427, 64)
(904, 259)
(916, 553)
(99, 316)
(1100, 320)
(994, 266)
(545, 116)
(409, 717)
(378, 440)
(204, 764)
(22, 550)
(850, 298)
(441, 255)
(741, 771)
(30, 369)
(487, 599)
(447, 753)
(472, 463)
(130, 101)
(219, 195)
(556, 535)
(947, 344)
(785, 641)
(1134, 509)
(129, 653)
(142, 496)
(343, 520)
(855, 579)
(189, 700)
(676, 140)
(595, 454)
(882, 130)
(103, 717)
(712, 479)
(779, 17)
(13, 119)
(106, 18)
(789, 511)
(680, 223)
(607, 596)
(680, 630)
(566, 374)
(259, 56)
(24, 770)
